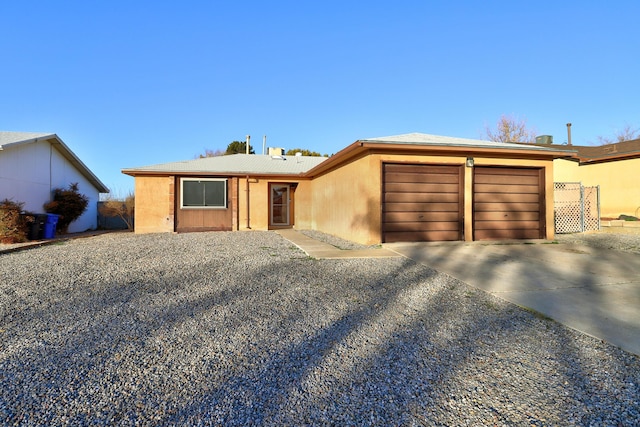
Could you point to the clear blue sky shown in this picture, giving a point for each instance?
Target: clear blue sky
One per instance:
(133, 83)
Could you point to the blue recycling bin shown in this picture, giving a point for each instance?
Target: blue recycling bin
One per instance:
(50, 226)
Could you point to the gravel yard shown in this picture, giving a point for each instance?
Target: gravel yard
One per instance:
(242, 328)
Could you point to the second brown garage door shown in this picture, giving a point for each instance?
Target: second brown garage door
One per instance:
(422, 202)
(508, 203)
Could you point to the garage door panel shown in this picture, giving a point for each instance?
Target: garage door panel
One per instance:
(507, 188)
(507, 198)
(515, 171)
(424, 236)
(422, 197)
(422, 207)
(422, 226)
(507, 179)
(420, 188)
(506, 234)
(508, 216)
(421, 169)
(391, 217)
(506, 207)
(422, 178)
(506, 225)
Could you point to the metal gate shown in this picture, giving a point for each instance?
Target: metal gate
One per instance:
(576, 208)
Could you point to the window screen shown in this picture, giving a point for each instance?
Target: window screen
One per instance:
(208, 193)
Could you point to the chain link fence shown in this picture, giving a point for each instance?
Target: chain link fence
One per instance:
(576, 208)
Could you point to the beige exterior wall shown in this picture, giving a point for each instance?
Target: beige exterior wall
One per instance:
(347, 201)
(154, 204)
(618, 181)
(259, 202)
(257, 214)
(304, 206)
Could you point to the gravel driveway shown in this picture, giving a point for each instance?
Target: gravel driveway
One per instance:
(243, 329)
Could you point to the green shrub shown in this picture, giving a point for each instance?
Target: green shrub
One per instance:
(13, 226)
(69, 204)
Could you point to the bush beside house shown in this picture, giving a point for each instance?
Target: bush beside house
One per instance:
(13, 225)
(69, 204)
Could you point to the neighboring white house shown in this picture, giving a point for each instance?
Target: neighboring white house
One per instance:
(32, 165)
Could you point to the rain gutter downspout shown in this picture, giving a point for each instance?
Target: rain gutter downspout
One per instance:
(248, 217)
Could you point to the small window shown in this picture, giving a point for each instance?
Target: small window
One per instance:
(203, 193)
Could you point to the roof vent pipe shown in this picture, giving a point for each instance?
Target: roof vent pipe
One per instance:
(568, 133)
(264, 144)
(248, 139)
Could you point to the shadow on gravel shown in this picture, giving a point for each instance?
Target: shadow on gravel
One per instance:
(285, 340)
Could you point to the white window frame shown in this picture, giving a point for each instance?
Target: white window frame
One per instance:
(183, 180)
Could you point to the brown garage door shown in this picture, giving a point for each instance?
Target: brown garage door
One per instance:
(508, 203)
(422, 203)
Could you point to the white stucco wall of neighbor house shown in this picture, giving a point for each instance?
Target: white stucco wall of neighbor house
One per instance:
(30, 172)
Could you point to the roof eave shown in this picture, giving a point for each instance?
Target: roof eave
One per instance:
(76, 162)
(239, 174)
(479, 149)
(362, 146)
(595, 160)
(28, 140)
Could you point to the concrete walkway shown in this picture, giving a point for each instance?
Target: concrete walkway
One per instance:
(320, 250)
(595, 291)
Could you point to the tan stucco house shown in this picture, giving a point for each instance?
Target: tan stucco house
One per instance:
(615, 168)
(411, 187)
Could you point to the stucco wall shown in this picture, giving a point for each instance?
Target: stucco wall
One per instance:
(618, 181)
(259, 202)
(346, 202)
(30, 172)
(154, 204)
(303, 206)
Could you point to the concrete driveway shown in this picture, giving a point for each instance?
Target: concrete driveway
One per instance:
(595, 291)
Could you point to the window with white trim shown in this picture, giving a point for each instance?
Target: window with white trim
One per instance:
(207, 193)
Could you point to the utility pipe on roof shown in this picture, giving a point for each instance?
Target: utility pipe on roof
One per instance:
(568, 133)
(248, 139)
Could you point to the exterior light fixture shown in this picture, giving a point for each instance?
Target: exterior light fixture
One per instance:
(469, 162)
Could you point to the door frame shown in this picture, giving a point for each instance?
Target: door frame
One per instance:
(291, 205)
